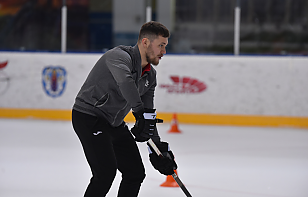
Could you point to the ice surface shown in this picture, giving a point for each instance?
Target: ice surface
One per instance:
(41, 158)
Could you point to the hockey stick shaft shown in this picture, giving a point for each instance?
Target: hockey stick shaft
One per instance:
(174, 175)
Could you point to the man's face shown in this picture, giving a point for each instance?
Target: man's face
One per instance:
(156, 50)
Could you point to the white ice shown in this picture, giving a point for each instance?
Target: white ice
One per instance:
(41, 158)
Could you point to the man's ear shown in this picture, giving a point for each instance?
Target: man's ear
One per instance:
(145, 42)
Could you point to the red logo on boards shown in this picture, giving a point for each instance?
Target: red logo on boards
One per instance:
(3, 64)
(4, 78)
(184, 85)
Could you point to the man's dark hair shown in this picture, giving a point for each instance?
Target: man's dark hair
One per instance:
(152, 30)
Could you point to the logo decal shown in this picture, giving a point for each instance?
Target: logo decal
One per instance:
(4, 78)
(99, 132)
(54, 80)
(147, 83)
(184, 85)
(3, 64)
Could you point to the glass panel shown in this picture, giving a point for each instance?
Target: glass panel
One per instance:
(198, 26)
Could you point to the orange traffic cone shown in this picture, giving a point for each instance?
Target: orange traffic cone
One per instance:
(174, 125)
(170, 182)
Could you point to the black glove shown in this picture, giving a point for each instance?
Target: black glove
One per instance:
(145, 126)
(165, 165)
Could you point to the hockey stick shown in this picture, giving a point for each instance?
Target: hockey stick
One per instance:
(174, 175)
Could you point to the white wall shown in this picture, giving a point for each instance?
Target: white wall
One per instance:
(165, 10)
(128, 15)
(234, 85)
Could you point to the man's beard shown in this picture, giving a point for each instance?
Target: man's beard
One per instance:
(150, 60)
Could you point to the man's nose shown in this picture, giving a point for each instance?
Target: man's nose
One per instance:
(164, 51)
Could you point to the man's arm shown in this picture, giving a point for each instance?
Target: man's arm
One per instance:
(120, 65)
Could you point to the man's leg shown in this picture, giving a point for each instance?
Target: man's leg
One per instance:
(98, 151)
(129, 162)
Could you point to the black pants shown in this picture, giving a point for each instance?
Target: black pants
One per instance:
(108, 149)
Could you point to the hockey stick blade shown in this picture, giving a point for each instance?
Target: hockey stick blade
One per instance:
(174, 175)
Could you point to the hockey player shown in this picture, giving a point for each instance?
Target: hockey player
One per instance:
(123, 79)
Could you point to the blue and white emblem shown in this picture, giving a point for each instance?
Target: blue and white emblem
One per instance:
(54, 80)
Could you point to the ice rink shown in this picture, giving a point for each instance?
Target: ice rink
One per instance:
(44, 159)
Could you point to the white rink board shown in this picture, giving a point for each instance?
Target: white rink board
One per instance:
(244, 85)
(237, 85)
(25, 79)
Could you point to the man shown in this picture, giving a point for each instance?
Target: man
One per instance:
(122, 80)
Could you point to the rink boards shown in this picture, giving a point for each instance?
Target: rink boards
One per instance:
(223, 90)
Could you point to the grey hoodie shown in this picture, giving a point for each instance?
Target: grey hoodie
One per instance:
(115, 86)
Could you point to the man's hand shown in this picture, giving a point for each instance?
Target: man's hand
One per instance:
(165, 165)
(145, 125)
